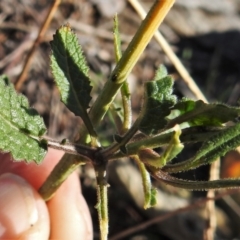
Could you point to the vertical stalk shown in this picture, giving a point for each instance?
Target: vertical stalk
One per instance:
(125, 91)
(129, 58)
(127, 110)
(102, 204)
(142, 37)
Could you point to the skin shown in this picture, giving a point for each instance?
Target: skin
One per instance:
(25, 215)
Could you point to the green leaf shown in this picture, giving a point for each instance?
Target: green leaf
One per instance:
(194, 185)
(216, 146)
(153, 199)
(161, 72)
(70, 72)
(157, 103)
(20, 126)
(202, 114)
(149, 192)
(173, 148)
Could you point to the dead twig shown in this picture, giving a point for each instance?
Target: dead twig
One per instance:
(211, 223)
(41, 33)
(160, 218)
(171, 55)
(83, 27)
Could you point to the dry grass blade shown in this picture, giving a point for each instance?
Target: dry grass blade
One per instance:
(171, 55)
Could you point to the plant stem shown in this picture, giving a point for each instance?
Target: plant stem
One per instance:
(171, 55)
(187, 136)
(146, 182)
(125, 139)
(103, 211)
(102, 204)
(75, 155)
(129, 58)
(144, 34)
(125, 91)
(193, 185)
(75, 149)
(59, 174)
(127, 110)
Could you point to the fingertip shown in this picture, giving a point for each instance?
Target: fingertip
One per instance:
(69, 213)
(23, 213)
(33, 173)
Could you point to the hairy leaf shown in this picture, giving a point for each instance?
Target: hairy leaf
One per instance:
(173, 148)
(161, 72)
(157, 103)
(216, 146)
(70, 71)
(149, 191)
(20, 126)
(202, 114)
(194, 185)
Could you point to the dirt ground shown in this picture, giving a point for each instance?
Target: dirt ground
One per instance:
(205, 36)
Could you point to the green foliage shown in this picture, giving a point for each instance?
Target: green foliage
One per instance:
(216, 146)
(70, 72)
(173, 148)
(160, 73)
(149, 191)
(202, 114)
(193, 185)
(158, 101)
(20, 127)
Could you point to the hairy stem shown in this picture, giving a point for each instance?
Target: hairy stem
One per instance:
(74, 149)
(102, 198)
(193, 185)
(124, 140)
(144, 34)
(187, 136)
(146, 182)
(62, 170)
(125, 91)
(103, 210)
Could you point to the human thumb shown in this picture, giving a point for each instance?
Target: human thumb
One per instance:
(23, 213)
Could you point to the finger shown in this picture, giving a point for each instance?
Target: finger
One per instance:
(70, 217)
(23, 213)
(66, 202)
(33, 173)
